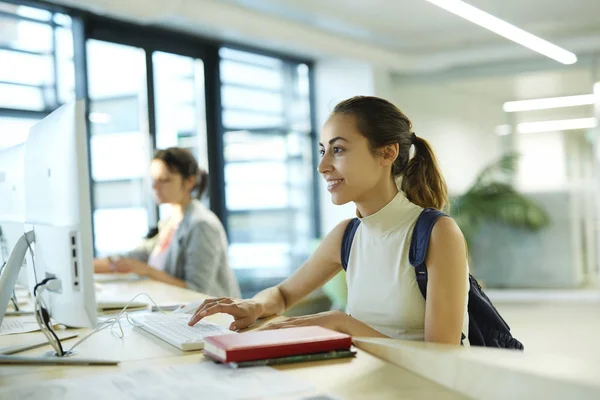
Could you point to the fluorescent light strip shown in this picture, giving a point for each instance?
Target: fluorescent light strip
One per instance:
(558, 125)
(550, 102)
(507, 30)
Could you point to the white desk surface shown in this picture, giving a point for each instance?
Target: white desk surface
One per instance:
(363, 377)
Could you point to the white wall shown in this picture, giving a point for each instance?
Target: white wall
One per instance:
(459, 125)
(336, 80)
(459, 118)
(594, 275)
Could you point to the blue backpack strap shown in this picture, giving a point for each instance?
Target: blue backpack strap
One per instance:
(420, 243)
(347, 241)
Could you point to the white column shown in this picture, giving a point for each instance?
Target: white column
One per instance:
(593, 277)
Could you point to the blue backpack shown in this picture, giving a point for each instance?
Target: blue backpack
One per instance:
(486, 326)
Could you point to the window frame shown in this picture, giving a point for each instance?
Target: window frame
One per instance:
(13, 112)
(86, 25)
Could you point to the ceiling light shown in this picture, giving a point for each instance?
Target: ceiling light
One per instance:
(550, 102)
(507, 30)
(558, 125)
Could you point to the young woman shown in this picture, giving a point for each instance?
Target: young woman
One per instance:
(190, 249)
(366, 158)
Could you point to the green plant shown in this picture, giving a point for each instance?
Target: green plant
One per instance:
(492, 197)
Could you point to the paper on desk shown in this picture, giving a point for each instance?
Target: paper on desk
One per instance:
(204, 380)
(117, 277)
(22, 324)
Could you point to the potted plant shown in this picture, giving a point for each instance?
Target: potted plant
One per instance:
(493, 198)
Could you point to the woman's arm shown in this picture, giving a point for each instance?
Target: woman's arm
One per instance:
(162, 276)
(334, 320)
(446, 283)
(323, 265)
(126, 265)
(102, 266)
(140, 253)
(356, 328)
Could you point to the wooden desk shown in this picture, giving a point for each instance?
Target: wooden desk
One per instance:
(364, 377)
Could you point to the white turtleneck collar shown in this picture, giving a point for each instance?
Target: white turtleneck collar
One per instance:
(396, 213)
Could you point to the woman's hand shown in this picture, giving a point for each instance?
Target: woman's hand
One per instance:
(127, 265)
(244, 312)
(334, 320)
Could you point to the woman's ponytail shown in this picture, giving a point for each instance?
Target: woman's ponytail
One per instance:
(422, 180)
(201, 183)
(382, 123)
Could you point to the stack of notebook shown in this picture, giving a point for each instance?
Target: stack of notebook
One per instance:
(279, 346)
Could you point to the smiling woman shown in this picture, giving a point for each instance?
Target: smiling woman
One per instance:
(366, 158)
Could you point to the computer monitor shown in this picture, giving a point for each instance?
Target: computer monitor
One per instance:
(58, 211)
(58, 218)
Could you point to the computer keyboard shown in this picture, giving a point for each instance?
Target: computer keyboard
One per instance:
(173, 329)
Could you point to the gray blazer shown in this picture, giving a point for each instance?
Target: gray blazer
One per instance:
(197, 254)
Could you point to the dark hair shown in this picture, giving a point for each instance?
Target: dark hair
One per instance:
(382, 123)
(183, 162)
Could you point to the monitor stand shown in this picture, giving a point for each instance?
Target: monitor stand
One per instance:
(7, 284)
(11, 270)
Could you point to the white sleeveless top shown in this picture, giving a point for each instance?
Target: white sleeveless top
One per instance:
(382, 287)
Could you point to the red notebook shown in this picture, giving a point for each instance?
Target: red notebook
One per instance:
(258, 345)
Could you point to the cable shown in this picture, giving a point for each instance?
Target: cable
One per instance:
(14, 302)
(111, 322)
(43, 318)
(41, 284)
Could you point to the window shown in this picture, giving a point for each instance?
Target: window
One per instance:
(246, 115)
(36, 68)
(120, 146)
(129, 120)
(180, 107)
(268, 165)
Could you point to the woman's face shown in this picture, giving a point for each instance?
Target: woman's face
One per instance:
(169, 187)
(347, 164)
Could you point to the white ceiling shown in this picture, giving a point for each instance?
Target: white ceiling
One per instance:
(531, 85)
(406, 36)
(417, 26)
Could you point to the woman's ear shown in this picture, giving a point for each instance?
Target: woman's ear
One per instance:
(190, 183)
(389, 153)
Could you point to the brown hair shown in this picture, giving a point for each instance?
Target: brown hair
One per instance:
(183, 162)
(382, 123)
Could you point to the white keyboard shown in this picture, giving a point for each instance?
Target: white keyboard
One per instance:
(173, 329)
